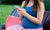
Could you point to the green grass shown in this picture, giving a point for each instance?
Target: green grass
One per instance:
(5, 11)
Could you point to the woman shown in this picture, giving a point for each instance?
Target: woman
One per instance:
(31, 14)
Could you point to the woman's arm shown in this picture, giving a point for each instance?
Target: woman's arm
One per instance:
(21, 16)
(39, 18)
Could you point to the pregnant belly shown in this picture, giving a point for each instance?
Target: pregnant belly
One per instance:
(26, 23)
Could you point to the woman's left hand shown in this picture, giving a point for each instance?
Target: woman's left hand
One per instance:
(21, 11)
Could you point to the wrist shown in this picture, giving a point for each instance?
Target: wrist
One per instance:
(25, 14)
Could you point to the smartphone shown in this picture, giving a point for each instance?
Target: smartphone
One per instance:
(17, 7)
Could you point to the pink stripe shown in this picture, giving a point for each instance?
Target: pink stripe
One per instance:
(21, 28)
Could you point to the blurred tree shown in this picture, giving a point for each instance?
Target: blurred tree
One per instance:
(47, 5)
(17, 1)
(11, 1)
(7, 1)
(0, 1)
(46, 2)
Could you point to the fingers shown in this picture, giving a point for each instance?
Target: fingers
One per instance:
(20, 9)
(19, 12)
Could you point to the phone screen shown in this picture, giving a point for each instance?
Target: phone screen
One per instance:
(17, 7)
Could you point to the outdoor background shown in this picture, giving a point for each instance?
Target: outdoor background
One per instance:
(7, 6)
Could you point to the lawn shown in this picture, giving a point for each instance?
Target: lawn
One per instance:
(5, 11)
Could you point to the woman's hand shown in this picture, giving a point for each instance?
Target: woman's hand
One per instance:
(21, 11)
